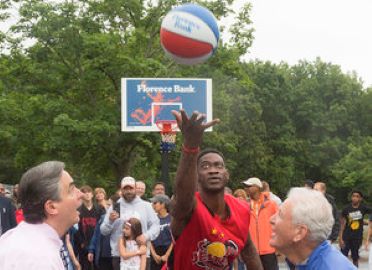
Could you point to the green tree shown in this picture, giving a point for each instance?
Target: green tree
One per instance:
(66, 85)
(354, 169)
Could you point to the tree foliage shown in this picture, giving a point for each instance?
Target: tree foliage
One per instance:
(60, 74)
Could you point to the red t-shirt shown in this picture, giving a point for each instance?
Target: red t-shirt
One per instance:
(207, 242)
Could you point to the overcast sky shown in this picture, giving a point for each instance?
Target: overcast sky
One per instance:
(338, 31)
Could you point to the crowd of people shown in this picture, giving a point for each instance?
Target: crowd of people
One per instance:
(50, 223)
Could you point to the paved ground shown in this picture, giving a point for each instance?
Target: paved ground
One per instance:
(363, 263)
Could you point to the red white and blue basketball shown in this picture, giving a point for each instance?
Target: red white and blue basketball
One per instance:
(189, 34)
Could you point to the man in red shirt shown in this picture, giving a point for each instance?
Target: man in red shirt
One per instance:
(210, 228)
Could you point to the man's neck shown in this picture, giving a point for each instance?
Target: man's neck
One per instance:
(301, 252)
(88, 204)
(56, 226)
(215, 203)
(256, 196)
(356, 205)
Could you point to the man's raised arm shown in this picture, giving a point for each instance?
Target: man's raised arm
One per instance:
(186, 178)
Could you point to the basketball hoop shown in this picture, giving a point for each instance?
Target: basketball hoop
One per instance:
(168, 134)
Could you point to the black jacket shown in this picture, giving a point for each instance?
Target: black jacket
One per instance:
(336, 225)
(7, 212)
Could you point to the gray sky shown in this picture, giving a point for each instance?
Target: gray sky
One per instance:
(338, 31)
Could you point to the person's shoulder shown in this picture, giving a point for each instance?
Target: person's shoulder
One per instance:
(29, 235)
(5, 200)
(142, 201)
(347, 208)
(25, 257)
(330, 198)
(100, 210)
(231, 198)
(272, 203)
(235, 201)
(139, 202)
(334, 259)
(268, 201)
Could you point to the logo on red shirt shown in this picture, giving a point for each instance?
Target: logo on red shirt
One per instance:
(215, 255)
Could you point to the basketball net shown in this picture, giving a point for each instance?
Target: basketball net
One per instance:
(168, 134)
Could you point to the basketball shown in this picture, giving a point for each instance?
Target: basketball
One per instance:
(189, 34)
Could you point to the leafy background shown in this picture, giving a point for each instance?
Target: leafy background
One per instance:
(60, 70)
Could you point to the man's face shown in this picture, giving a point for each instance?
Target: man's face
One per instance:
(283, 231)
(251, 190)
(70, 201)
(140, 189)
(88, 196)
(128, 193)
(212, 173)
(356, 198)
(158, 189)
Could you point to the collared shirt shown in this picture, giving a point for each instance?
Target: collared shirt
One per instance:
(31, 247)
(326, 257)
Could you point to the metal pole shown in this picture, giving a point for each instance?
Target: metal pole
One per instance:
(165, 171)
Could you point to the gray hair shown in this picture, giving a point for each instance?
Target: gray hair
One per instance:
(38, 185)
(311, 208)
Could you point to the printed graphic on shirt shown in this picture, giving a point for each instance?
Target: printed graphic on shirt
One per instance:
(88, 222)
(165, 226)
(215, 255)
(354, 218)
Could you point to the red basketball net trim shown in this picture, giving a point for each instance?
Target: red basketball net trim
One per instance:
(168, 131)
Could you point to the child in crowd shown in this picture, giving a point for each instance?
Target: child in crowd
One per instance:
(241, 194)
(100, 197)
(161, 247)
(133, 256)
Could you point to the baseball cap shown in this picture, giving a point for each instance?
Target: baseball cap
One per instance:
(128, 181)
(253, 181)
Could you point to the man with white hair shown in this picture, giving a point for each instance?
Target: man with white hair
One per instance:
(130, 205)
(140, 189)
(300, 230)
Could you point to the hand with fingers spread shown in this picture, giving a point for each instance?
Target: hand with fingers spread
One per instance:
(193, 128)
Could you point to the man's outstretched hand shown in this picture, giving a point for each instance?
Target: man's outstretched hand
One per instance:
(192, 128)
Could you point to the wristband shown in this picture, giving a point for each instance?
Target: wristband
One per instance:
(191, 150)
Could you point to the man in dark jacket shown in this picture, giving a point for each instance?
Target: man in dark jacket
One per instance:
(7, 214)
(320, 186)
